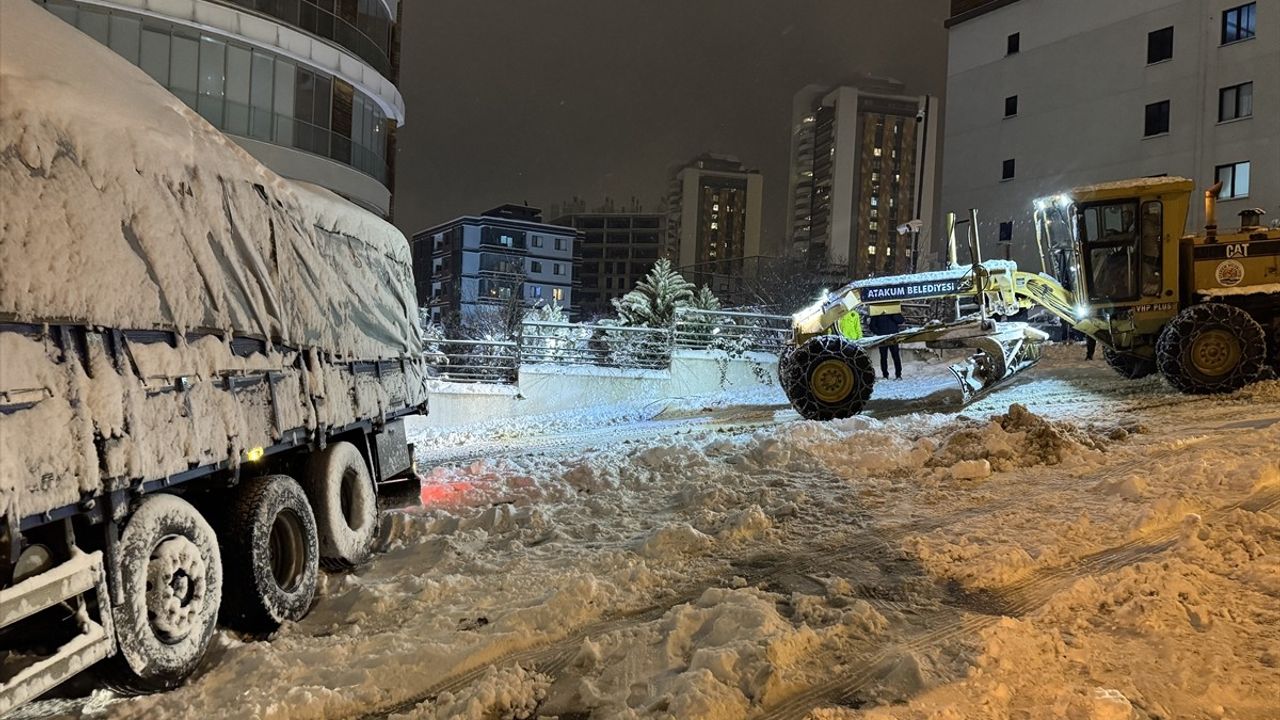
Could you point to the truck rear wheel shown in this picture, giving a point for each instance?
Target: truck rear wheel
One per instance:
(346, 508)
(1212, 348)
(171, 579)
(1129, 366)
(271, 553)
(827, 378)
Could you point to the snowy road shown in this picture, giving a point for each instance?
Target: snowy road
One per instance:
(1113, 551)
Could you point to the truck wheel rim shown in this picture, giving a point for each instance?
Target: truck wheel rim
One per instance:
(285, 550)
(175, 588)
(832, 381)
(1215, 352)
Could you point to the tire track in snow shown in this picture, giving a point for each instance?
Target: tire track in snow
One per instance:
(1013, 600)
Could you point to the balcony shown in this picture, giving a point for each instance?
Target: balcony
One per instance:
(369, 38)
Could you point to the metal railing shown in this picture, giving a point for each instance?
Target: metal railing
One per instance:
(476, 361)
(595, 345)
(369, 38)
(608, 346)
(732, 332)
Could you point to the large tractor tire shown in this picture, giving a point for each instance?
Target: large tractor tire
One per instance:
(346, 507)
(1128, 365)
(271, 553)
(171, 579)
(1212, 348)
(827, 378)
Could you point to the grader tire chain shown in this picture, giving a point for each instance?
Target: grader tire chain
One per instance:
(1174, 348)
(797, 368)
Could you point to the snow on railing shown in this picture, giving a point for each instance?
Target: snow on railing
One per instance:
(732, 332)
(595, 344)
(607, 345)
(477, 361)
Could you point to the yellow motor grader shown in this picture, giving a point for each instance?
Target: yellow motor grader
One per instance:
(1203, 310)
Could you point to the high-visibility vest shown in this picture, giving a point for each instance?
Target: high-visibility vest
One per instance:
(850, 326)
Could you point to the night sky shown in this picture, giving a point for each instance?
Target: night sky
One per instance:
(541, 100)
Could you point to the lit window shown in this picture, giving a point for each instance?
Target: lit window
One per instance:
(715, 208)
(715, 226)
(557, 294)
(875, 201)
(871, 249)
(873, 225)
(888, 250)
(876, 152)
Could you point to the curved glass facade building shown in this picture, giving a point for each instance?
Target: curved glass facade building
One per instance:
(306, 86)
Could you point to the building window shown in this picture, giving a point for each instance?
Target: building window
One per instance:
(871, 249)
(535, 291)
(1011, 106)
(1159, 45)
(1007, 170)
(1234, 179)
(537, 241)
(1157, 119)
(557, 294)
(535, 266)
(1014, 44)
(1235, 102)
(560, 243)
(1006, 232)
(557, 269)
(1239, 23)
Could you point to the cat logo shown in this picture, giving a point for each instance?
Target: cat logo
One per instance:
(1229, 273)
(1238, 250)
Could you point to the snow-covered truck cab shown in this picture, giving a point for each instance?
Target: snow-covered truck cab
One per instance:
(1203, 309)
(204, 371)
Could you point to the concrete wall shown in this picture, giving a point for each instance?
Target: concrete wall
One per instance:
(544, 389)
(1083, 83)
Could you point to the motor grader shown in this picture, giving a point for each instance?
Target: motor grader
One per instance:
(1203, 310)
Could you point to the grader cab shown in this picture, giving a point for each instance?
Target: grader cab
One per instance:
(1203, 310)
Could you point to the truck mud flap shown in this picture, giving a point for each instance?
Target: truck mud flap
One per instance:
(71, 582)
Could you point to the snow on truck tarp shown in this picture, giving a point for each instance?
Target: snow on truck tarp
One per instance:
(124, 208)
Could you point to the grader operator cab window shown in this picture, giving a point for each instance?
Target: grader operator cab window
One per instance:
(1122, 250)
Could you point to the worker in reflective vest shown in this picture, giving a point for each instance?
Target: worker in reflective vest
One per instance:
(850, 326)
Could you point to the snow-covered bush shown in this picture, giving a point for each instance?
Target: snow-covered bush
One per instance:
(545, 339)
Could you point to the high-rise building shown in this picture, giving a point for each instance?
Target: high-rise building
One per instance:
(1043, 96)
(713, 213)
(504, 258)
(308, 87)
(617, 249)
(863, 165)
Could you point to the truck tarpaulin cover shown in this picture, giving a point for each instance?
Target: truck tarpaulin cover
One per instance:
(123, 208)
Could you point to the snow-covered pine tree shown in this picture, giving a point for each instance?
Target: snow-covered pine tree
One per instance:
(704, 299)
(654, 300)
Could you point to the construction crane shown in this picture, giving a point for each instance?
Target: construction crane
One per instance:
(1203, 310)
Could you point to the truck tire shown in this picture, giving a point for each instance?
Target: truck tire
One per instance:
(271, 553)
(1128, 365)
(827, 378)
(1212, 348)
(171, 580)
(345, 506)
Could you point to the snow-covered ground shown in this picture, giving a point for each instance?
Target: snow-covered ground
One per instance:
(1071, 546)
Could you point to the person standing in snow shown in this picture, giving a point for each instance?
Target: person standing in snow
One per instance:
(849, 326)
(888, 320)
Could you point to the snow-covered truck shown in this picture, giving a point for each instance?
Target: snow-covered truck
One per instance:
(204, 370)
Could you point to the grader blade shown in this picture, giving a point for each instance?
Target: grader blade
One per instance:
(1000, 352)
